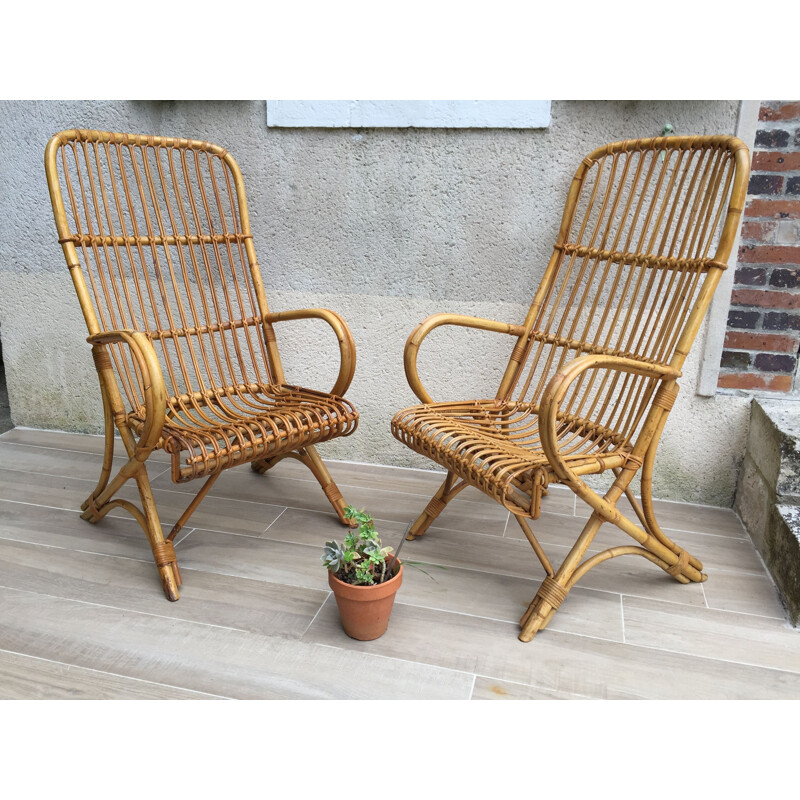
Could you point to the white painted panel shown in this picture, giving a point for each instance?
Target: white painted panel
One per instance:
(408, 113)
(721, 302)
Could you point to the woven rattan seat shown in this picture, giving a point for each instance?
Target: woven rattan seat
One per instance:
(157, 239)
(646, 232)
(206, 439)
(498, 448)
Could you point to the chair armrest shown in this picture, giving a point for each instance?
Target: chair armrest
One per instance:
(347, 346)
(155, 393)
(427, 325)
(559, 384)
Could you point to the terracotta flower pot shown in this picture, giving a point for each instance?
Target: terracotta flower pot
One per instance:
(365, 610)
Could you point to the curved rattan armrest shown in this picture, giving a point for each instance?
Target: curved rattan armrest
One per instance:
(347, 346)
(155, 393)
(434, 321)
(559, 384)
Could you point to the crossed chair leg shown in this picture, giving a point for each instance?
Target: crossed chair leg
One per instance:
(102, 500)
(446, 492)
(654, 544)
(308, 455)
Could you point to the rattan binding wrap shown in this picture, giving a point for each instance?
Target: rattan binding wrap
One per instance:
(646, 232)
(156, 234)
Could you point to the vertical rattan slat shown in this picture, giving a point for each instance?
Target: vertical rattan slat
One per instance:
(646, 232)
(157, 239)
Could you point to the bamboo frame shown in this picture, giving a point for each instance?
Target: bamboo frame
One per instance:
(156, 235)
(593, 372)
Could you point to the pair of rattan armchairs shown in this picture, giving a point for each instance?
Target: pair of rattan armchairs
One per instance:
(157, 239)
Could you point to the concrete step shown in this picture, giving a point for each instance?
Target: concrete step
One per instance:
(768, 494)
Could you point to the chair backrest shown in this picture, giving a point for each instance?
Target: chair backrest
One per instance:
(157, 237)
(646, 233)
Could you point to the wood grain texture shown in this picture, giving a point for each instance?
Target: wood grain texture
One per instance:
(63, 440)
(269, 585)
(478, 517)
(59, 527)
(492, 689)
(739, 638)
(686, 517)
(254, 557)
(67, 463)
(26, 678)
(210, 659)
(744, 593)
(257, 606)
(563, 662)
(42, 489)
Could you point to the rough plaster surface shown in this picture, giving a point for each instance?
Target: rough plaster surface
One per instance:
(385, 226)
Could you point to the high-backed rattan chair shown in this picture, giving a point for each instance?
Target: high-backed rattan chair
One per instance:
(157, 238)
(646, 233)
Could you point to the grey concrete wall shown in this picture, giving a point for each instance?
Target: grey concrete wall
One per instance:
(385, 226)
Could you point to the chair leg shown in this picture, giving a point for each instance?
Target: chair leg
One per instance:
(163, 549)
(309, 456)
(443, 496)
(650, 523)
(100, 502)
(108, 450)
(311, 459)
(554, 589)
(654, 545)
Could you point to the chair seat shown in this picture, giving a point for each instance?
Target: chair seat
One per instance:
(206, 433)
(497, 447)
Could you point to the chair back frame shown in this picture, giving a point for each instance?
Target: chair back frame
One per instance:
(693, 181)
(110, 206)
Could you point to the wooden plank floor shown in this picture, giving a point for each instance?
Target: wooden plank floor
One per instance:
(82, 614)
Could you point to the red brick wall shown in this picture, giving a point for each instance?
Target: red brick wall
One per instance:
(761, 344)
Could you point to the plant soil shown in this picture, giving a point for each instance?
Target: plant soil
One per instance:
(345, 578)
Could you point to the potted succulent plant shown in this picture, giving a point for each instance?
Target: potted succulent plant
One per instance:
(364, 577)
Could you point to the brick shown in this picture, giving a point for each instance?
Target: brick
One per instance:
(733, 360)
(773, 209)
(761, 231)
(763, 299)
(765, 184)
(778, 111)
(775, 254)
(765, 161)
(781, 321)
(777, 343)
(743, 319)
(793, 185)
(785, 278)
(776, 321)
(771, 362)
(773, 138)
(788, 232)
(749, 380)
(750, 276)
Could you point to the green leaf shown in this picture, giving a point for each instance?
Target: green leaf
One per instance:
(361, 558)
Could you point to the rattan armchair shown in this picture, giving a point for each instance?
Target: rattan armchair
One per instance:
(157, 239)
(646, 233)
